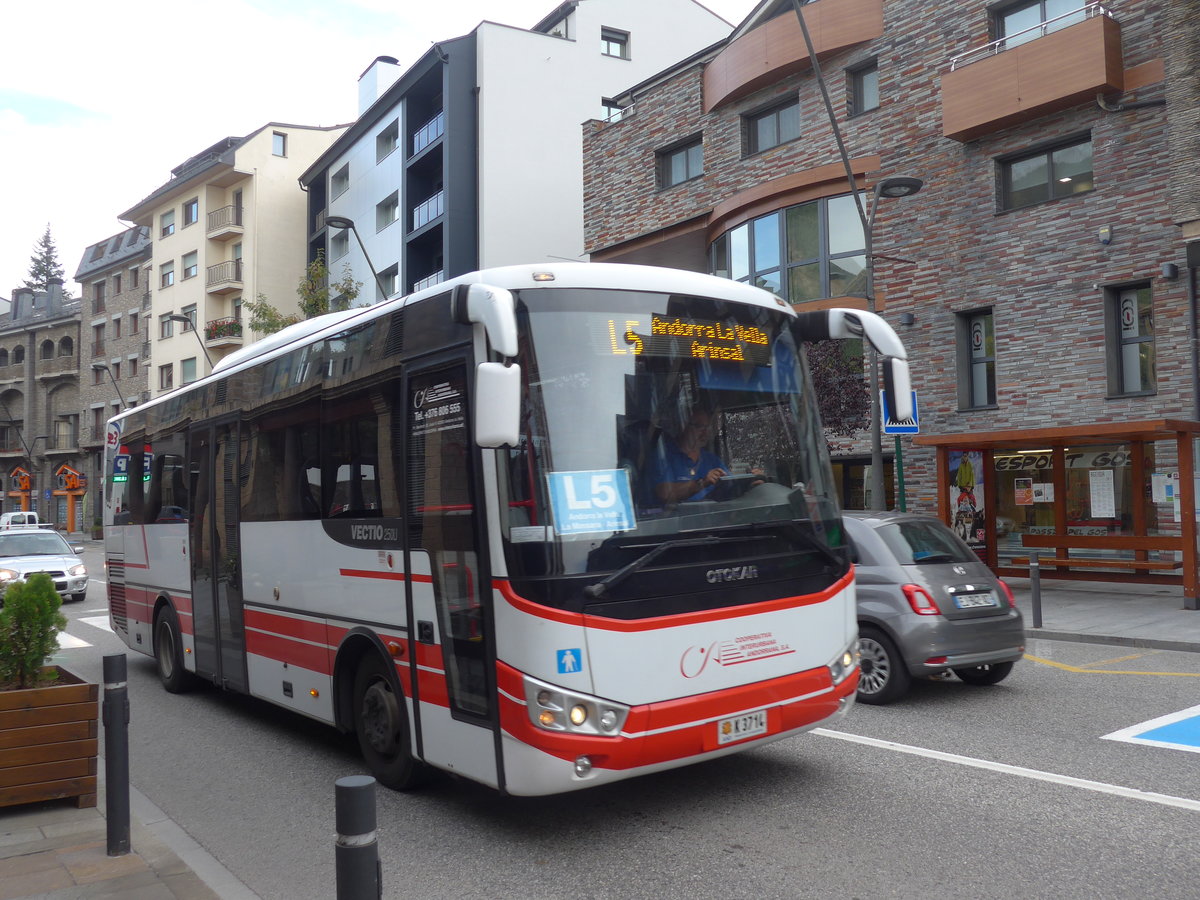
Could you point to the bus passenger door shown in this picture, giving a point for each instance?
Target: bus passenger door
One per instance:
(216, 555)
(450, 615)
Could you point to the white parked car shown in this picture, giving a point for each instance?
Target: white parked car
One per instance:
(11, 520)
(24, 552)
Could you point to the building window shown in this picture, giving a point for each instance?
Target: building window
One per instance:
(387, 211)
(187, 370)
(133, 367)
(776, 126)
(166, 223)
(614, 43)
(388, 282)
(18, 355)
(610, 110)
(1022, 22)
(133, 277)
(1130, 314)
(116, 327)
(278, 143)
(133, 323)
(387, 141)
(47, 349)
(116, 370)
(681, 163)
(1047, 174)
(339, 244)
(98, 291)
(806, 252)
(166, 377)
(117, 283)
(863, 92)
(166, 274)
(339, 181)
(977, 360)
(190, 312)
(190, 267)
(166, 327)
(191, 212)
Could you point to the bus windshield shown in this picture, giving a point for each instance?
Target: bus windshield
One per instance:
(652, 418)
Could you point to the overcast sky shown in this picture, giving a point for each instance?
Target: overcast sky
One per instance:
(98, 101)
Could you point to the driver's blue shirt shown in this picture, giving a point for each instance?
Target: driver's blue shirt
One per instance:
(674, 465)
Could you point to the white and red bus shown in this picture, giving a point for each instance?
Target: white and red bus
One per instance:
(439, 522)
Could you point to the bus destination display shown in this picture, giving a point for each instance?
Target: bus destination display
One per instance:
(673, 336)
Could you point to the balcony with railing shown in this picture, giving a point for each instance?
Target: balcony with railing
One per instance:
(318, 221)
(429, 132)
(225, 332)
(225, 223)
(224, 278)
(1052, 66)
(427, 211)
(429, 281)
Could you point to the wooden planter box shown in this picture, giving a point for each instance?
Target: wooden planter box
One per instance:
(48, 742)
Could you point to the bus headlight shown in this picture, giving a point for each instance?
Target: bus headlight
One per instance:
(556, 709)
(844, 664)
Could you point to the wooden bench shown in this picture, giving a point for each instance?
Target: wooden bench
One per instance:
(1092, 563)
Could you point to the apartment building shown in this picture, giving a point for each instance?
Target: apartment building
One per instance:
(229, 224)
(1043, 278)
(41, 464)
(470, 157)
(115, 350)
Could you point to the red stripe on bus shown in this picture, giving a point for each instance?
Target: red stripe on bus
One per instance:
(294, 653)
(287, 626)
(387, 576)
(681, 742)
(603, 623)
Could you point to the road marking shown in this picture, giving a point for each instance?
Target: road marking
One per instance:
(1020, 771)
(1109, 662)
(1177, 731)
(70, 642)
(1067, 668)
(100, 622)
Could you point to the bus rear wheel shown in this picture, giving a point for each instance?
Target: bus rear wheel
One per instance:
(381, 725)
(168, 652)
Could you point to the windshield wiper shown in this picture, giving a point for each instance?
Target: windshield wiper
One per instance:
(600, 588)
(803, 535)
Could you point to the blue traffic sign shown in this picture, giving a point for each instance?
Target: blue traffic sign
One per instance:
(892, 425)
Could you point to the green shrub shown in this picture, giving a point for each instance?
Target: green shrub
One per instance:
(29, 625)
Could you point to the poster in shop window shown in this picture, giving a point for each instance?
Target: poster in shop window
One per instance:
(966, 496)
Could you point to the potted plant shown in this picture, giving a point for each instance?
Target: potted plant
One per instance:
(48, 716)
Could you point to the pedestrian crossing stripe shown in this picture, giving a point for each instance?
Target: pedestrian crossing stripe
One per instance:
(1177, 731)
(70, 642)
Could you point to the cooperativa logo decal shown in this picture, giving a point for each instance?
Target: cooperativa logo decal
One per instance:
(743, 649)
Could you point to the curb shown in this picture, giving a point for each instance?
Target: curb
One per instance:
(1080, 638)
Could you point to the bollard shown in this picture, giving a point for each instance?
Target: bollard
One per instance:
(356, 855)
(1035, 588)
(115, 712)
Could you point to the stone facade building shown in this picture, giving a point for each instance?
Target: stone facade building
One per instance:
(40, 461)
(115, 323)
(1041, 278)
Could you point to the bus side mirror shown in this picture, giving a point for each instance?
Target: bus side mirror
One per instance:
(492, 306)
(497, 405)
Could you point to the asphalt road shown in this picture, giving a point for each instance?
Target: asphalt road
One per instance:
(1008, 791)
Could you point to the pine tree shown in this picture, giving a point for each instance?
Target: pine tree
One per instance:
(44, 264)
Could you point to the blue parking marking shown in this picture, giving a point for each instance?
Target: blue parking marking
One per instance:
(1177, 731)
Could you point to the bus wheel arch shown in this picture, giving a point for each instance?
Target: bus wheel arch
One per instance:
(372, 705)
(167, 642)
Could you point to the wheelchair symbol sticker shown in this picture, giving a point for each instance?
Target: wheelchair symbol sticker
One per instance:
(569, 661)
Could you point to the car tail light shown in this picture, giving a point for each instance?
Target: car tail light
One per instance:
(1012, 601)
(920, 601)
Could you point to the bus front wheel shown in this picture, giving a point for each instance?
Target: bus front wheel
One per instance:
(381, 725)
(168, 652)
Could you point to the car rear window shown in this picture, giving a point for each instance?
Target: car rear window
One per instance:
(916, 543)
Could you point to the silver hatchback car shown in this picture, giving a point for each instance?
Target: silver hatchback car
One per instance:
(927, 606)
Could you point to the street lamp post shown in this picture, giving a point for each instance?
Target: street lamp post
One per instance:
(99, 366)
(344, 222)
(890, 188)
(187, 320)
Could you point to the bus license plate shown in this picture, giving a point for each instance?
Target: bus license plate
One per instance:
(739, 728)
(971, 601)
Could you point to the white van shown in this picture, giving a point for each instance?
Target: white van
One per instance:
(12, 520)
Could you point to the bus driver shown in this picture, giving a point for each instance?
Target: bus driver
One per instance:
(687, 469)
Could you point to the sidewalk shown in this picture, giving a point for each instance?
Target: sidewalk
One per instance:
(58, 852)
(1133, 615)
